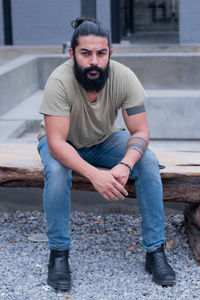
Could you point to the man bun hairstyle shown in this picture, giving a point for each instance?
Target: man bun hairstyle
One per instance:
(77, 22)
(87, 26)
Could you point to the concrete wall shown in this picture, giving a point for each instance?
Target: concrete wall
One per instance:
(103, 12)
(155, 71)
(45, 22)
(1, 25)
(189, 24)
(46, 65)
(164, 71)
(172, 83)
(18, 79)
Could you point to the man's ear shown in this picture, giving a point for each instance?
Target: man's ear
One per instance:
(111, 51)
(71, 54)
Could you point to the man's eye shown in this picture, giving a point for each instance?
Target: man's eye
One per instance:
(85, 53)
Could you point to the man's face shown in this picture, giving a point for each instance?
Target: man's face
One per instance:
(91, 62)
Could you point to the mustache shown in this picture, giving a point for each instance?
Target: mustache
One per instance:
(91, 84)
(93, 68)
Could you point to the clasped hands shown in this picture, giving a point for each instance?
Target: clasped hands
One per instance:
(110, 183)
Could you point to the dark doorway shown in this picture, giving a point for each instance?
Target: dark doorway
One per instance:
(8, 38)
(88, 8)
(149, 21)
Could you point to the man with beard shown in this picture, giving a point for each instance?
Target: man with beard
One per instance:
(81, 100)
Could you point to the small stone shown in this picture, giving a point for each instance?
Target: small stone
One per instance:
(132, 232)
(170, 244)
(131, 248)
(37, 238)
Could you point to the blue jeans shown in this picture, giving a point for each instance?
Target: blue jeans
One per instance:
(57, 186)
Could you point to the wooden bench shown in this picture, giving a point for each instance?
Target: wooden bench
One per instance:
(20, 166)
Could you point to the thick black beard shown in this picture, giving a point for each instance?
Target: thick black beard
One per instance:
(91, 85)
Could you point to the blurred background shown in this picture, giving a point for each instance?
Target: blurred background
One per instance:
(47, 22)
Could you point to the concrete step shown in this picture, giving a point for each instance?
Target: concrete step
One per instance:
(175, 145)
(22, 119)
(7, 128)
(27, 109)
(172, 114)
(173, 93)
(11, 52)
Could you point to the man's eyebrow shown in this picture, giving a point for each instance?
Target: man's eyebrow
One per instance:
(84, 49)
(101, 50)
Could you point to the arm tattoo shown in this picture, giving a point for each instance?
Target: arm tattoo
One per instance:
(135, 110)
(137, 143)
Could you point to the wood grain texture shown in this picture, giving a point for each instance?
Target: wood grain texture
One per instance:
(192, 228)
(20, 166)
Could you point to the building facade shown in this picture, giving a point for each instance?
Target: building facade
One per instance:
(47, 22)
(1, 25)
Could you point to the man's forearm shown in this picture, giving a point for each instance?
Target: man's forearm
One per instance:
(69, 157)
(103, 181)
(138, 144)
(135, 149)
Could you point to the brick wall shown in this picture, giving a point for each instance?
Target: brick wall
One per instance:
(189, 25)
(43, 22)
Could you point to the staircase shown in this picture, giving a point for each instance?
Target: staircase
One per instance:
(171, 80)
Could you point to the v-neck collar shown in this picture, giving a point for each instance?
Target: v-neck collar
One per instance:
(85, 96)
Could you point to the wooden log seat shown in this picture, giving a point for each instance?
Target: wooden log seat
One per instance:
(20, 166)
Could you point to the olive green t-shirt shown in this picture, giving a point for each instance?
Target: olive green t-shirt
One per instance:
(90, 123)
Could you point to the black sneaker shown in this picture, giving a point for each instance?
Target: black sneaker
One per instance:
(157, 265)
(59, 276)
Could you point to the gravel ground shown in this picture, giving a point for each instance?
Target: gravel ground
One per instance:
(107, 259)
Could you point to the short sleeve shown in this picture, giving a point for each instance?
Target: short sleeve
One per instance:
(55, 101)
(134, 92)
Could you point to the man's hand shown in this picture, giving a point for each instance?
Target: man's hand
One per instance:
(120, 173)
(108, 186)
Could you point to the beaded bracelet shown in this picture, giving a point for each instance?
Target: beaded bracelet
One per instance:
(125, 164)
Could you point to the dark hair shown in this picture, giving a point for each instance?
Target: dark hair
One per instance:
(86, 26)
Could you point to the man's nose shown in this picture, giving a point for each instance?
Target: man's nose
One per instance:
(94, 60)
